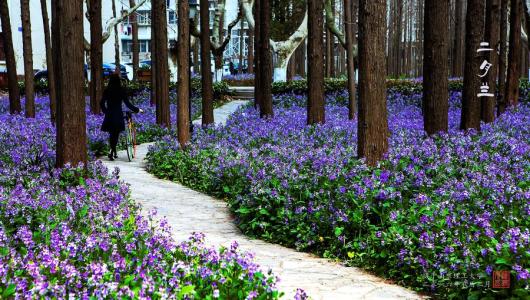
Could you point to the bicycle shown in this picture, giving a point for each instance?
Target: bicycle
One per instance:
(130, 136)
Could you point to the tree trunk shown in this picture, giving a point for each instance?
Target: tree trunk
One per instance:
(493, 19)
(161, 63)
(474, 35)
(29, 82)
(68, 45)
(315, 104)
(116, 42)
(135, 42)
(436, 70)
(257, 48)
(372, 124)
(183, 96)
(350, 13)
(250, 51)
(265, 60)
(514, 54)
(458, 56)
(154, 44)
(206, 65)
(49, 60)
(11, 65)
(96, 56)
(501, 104)
(241, 45)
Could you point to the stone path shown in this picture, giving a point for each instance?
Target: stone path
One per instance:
(189, 211)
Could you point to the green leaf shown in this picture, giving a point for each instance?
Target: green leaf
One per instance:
(338, 231)
(10, 290)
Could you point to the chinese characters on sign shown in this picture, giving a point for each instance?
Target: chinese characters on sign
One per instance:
(484, 69)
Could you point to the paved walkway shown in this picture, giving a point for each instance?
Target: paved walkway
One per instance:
(189, 211)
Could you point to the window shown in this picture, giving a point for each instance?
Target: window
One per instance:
(144, 17)
(172, 17)
(144, 46)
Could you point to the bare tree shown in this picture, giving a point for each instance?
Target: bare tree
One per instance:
(372, 123)
(514, 54)
(116, 41)
(436, 69)
(49, 60)
(206, 65)
(160, 62)
(135, 43)
(474, 35)
(29, 82)
(183, 92)
(265, 60)
(493, 20)
(350, 21)
(69, 60)
(503, 51)
(11, 65)
(315, 43)
(96, 55)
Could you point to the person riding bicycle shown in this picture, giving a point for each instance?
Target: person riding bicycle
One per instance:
(111, 105)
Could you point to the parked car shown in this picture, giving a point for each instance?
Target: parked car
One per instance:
(42, 75)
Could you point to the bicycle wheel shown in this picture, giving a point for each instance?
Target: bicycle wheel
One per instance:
(129, 143)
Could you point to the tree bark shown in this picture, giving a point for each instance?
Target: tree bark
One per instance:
(241, 45)
(206, 65)
(493, 20)
(49, 60)
(372, 123)
(436, 70)
(183, 96)
(68, 45)
(154, 44)
(161, 63)
(503, 51)
(250, 51)
(135, 42)
(350, 12)
(11, 65)
(315, 108)
(514, 54)
(116, 42)
(257, 48)
(458, 56)
(265, 60)
(474, 35)
(96, 56)
(29, 82)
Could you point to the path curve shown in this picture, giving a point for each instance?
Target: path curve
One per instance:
(188, 211)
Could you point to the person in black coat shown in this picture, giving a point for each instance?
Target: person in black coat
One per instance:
(111, 104)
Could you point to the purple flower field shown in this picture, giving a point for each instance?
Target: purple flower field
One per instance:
(75, 232)
(438, 214)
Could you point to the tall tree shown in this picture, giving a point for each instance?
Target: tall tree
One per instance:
(154, 52)
(265, 60)
(458, 52)
(49, 60)
(258, 97)
(29, 82)
(116, 40)
(11, 64)
(206, 65)
(250, 58)
(474, 36)
(135, 43)
(514, 54)
(372, 123)
(161, 63)
(241, 45)
(68, 45)
(96, 55)
(183, 92)
(435, 67)
(315, 43)
(501, 103)
(350, 18)
(493, 21)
